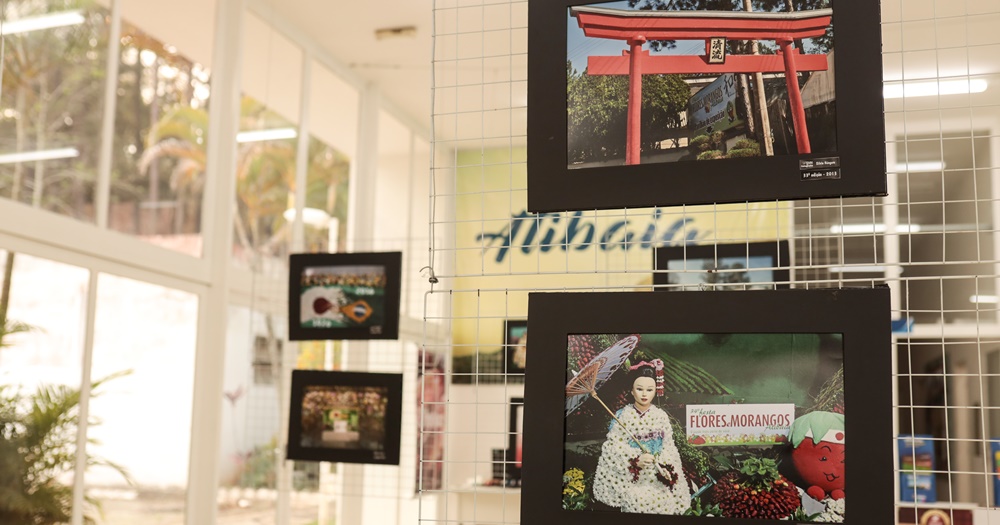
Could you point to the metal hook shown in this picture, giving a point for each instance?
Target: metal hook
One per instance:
(432, 278)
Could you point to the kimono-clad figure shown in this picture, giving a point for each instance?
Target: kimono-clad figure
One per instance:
(647, 479)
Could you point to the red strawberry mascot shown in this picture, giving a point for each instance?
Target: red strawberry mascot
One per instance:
(818, 454)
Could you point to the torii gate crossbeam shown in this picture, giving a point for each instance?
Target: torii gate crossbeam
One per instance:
(638, 27)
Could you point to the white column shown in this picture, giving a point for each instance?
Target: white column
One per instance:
(217, 230)
(361, 232)
(79, 473)
(285, 470)
(361, 224)
(102, 192)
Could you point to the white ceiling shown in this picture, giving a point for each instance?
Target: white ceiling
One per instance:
(400, 67)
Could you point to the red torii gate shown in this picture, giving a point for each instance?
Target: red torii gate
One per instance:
(638, 27)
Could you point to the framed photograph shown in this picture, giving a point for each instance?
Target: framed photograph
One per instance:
(431, 419)
(638, 103)
(679, 408)
(516, 439)
(739, 266)
(515, 345)
(344, 296)
(345, 417)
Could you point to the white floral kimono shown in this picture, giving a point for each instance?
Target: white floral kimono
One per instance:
(620, 482)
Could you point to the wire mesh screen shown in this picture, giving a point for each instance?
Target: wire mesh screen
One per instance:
(932, 240)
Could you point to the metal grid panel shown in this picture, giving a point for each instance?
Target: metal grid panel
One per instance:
(933, 239)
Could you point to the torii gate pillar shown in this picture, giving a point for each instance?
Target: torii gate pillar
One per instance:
(789, 52)
(632, 138)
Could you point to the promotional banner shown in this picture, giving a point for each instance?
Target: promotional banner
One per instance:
(714, 107)
(742, 424)
(499, 245)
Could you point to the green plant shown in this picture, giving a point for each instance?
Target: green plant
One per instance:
(38, 435)
(759, 473)
(694, 460)
(11, 327)
(801, 515)
(711, 154)
(743, 153)
(699, 143)
(697, 509)
(574, 495)
(747, 144)
(258, 466)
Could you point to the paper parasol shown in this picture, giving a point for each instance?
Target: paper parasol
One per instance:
(597, 371)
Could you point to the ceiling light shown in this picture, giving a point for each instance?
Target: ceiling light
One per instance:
(933, 87)
(65, 18)
(871, 268)
(872, 228)
(980, 299)
(914, 167)
(30, 156)
(266, 134)
(396, 32)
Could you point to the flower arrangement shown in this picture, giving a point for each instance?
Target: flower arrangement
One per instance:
(574, 495)
(834, 512)
(319, 401)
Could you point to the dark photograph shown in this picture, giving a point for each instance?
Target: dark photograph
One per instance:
(687, 407)
(639, 103)
(345, 417)
(738, 266)
(344, 296)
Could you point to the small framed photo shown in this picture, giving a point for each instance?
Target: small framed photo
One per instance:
(344, 296)
(681, 408)
(515, 345)
(515, 447)
(739, 266)
(662, 103)
(345, 417)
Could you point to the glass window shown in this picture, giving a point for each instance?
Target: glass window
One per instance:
(266, 149)
(51, 107)
(333, 118)
(265, 186)
(251, 424)
(40, 352)
(45, 304)
(148, 332)
(326, 191)
(160, 143)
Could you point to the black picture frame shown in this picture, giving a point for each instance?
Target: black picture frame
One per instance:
(391, 385)
(514, 348)
(515, 447)
(860, 315)
(776, 251)
(384, 322)
(554, 187)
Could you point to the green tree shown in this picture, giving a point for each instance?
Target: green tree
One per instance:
(265, 174)
(52, 87)
(37, 452)
(153, 79)
(597, 107)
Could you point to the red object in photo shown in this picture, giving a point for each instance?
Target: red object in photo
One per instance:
(818, 438)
